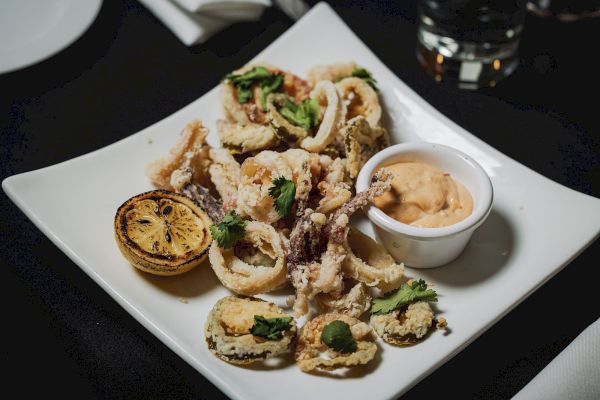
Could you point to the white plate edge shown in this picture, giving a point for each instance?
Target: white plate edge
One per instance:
(122, 301)
(9, 189)
(81, 30)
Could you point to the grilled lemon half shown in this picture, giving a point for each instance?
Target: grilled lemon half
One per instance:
(163, 233)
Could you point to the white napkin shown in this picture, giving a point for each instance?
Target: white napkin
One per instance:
(223, 8)
(193, 27)
(573, 374)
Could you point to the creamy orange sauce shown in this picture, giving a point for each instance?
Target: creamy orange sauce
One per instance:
(425, 197)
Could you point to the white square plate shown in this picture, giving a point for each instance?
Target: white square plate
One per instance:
(536, 227)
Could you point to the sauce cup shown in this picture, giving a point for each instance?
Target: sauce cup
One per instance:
(429, 247)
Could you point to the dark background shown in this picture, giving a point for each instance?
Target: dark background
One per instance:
(62, 334)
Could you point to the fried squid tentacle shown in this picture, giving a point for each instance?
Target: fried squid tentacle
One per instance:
(317, 246)
(190, 152)
(225, 175)
(304, 256)
(201, 195)
(336, 226)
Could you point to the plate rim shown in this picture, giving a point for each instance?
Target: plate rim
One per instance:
(54, 43)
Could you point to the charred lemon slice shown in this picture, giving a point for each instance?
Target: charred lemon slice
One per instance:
(162, 233)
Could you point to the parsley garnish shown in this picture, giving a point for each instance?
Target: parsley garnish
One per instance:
(366, 76)
(306, 115)
(337, 336)
(416, 291)
(268, 82)
(283, 191)
(268, 86)
(363, 74)
(270, 328)
(229, 230)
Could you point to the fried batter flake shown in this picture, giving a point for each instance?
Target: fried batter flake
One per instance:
(310, 348)
(228, 336)
(190, 153)
(405, 326)
(361, 142)
(354, 303)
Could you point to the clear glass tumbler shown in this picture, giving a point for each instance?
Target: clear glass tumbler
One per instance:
(472, 43)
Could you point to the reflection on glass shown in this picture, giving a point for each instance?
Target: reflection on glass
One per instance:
(470, 42)
(565, 10)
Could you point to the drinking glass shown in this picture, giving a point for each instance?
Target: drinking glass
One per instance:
(472, 43)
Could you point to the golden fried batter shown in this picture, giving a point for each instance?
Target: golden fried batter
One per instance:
(228, 336)
(309, 348)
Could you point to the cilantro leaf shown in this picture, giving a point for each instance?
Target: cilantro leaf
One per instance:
(268, 86)
(306, 115)
(229, 230)
(406, 294)
(256, 73)
(269, 83)
(283, 191)
(270, 328)
(337, 336)
(366, 76)
(244, 91)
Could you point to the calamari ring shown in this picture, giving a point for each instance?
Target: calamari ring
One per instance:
(234, 111)
(361, 99)
(309, 346)
(333, 117)
(332, 72)
(252, 111)
(244, 138)
(367, 261)
(242, 113)
(255, 265)
(405, 326)
(227, 330)
(354, 303)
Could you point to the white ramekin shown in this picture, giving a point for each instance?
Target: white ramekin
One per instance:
(429, 247)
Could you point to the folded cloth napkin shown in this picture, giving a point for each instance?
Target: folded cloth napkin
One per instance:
(193, 27)
(573, 374)
(223, 8)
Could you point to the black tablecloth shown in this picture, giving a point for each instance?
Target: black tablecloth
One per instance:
(63, 334)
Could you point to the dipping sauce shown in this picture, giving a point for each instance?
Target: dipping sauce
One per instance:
(424, 196)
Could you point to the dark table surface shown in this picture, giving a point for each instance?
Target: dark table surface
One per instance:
(63, 334)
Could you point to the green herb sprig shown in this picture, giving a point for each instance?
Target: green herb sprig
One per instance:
(284, 192)
(270, 328)
(268, 82)
(305, 115)
(365, 75)
(229, 230)
(338, 336)
(406, 294)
